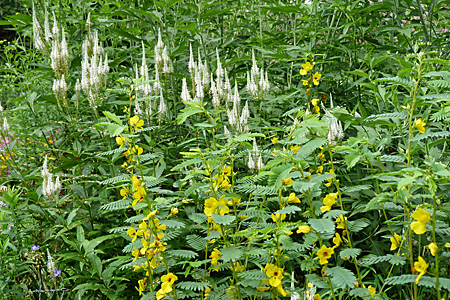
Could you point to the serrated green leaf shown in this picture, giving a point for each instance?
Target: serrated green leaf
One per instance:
(322, 225)
(341, 277)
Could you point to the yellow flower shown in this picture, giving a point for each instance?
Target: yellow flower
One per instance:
(328, 202)
(293, 199)
(324, 254)
(305, 82)
(174, 211)
(223, 208)
(306, 68)
(226, 171)
(136, 150)
(215, 255)
(287, 181)
(395, 241)
(337, 240)
(319, 170)
(421, 267)
(316, 109)
(160, 294)
(132, 233)
(433, 248)
(124, 192)
(142, 285)
(330, 180)
(275, 274)
(295, 148)
(420, 125)
(304, 229)
(136, 123)
(275, 140)
(315, 101)
(136, 182)
(420, 225)
(121, 140)
(372, 290)
(316, 78)
(317, 297)
(210, 206)
(167, 282)
(341, 222)
(263, 288)
(207, 291)
(278, 217)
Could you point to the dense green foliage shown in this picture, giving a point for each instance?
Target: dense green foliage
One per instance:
(225, 150)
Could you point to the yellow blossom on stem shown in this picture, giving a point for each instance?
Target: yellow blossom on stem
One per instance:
(274, 140)
(304, 229)
(420, 125)
(433, 248)
(395, 241)
(287, 181)
(211, 205)
(324, 254)
(293, 199)
(295, 148)
(319, 170)
(124, 192)
(136, 123)
(167, 282)
(371, 289)
(174, 211)
(275, 274)
(316, 78)
(215, 255)
(421, 267)
(337, 240)
(341, 222)
(120, 140)
(328, 202)
(306, 68)
(278, 217)
(420, 225)
(142, 285)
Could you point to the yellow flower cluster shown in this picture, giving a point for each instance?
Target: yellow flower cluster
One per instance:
(222, 180)
(275, 275)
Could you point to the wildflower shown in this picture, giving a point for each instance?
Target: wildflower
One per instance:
(304, 229)
(420, 125)
(136, 123)
(34, 247)
(319, 170)
(142, 285)
(287, 181)
(395, 241)
(372, 290)
(207, 291)
(331, 179)
(317, 297)
(306, 68)
(132, 233)
(328, 202)
(120, 140)
(124, 192)
(295, 148)
(275, 140)
(293, 199)
(174, 211)
(420, 225)
(305, 82)
(421, 267)
(167, 282)
(337, 240)
(57, 272)
(341, 220)
(316, 78)
(276, 218)
(324, 254)
(210, 206)
(275, 274)
(433, 248)
(215, 255)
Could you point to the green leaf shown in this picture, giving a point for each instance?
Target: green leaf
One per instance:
(112, 117)
(223, 220)
(351, 160)
(350, 253)
(341, 277)
(289, 210)
(231, 253)
(322, 225)
(186, 112)
(381, 198)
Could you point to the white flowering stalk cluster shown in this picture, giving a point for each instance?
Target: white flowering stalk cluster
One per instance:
(221, 87)
(94, 67)
(199, 78)
(51, 44)
(145, 89)
(254, 158)
(163, 62)
(42, 37)
(294, 295)
(49, 188)
(335, 131)
(5, 127)
(257, 81)
(238, 120)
